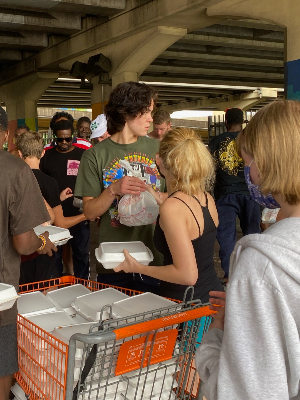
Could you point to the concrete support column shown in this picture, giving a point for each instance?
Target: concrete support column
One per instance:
(124, 77)
(132, 55)
(21, 96)
(100, 96)
(284, 13)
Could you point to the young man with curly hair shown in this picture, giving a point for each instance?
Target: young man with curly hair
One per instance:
(102, 181)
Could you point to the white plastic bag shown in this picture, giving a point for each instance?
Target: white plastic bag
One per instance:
(137, 210)
(269, 216)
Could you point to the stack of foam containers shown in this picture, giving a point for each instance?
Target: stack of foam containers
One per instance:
(64, 312)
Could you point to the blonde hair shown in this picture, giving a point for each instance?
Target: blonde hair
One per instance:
(187, 160)
(272, 138)
(30, 144)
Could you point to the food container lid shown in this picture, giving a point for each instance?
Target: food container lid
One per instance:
(113, 252)
(50, 321)
(56, 234)
(64, 297)
(34, 303)
(7, 292)
(139, 304)
(90, 305)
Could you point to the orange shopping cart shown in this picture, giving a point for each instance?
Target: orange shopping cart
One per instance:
(149, 355)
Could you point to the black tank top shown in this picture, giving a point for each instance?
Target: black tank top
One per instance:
(204, 251)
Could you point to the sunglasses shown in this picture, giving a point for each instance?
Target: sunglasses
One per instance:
(67, 139)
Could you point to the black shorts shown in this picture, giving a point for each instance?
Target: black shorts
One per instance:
(8, 350)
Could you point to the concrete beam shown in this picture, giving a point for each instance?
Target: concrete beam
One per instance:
(243, 32)
(253, 23)
(10, 55)
(148, 78)
(26, 40)
(95, 7)
(188, 56)
(245, 101)
(232, 42)
(231, 51)
(185, 71)
(20, 20)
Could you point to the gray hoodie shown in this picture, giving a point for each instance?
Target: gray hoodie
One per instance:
(257, 356)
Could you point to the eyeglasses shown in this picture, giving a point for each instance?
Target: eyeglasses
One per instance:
(67, 139)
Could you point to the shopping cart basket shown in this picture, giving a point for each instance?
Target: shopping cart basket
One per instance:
(144, 356)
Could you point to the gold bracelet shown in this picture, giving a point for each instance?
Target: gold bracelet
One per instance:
(44, 242)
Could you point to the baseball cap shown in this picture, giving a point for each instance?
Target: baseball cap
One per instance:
(98, 126)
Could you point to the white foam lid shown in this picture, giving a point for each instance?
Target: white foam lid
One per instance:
(64, 297)
(50, 321)
(139, 303)
(90, 305)
(34, 303)
(55, 233)
(7, 292)
(110, 254)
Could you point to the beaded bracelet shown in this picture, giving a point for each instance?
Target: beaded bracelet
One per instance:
(44, 242)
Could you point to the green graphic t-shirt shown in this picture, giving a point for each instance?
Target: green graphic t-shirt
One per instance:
(100, 167)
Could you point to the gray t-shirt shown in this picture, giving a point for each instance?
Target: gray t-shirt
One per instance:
(21, 208)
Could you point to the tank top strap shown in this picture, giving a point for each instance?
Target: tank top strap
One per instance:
(209, 223)
(174, 197)
(206, 205)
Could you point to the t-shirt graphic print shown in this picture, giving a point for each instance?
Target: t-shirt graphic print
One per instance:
(73, 167)
(143, 166)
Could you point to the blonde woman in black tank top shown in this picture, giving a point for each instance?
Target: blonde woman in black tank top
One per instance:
(186, 227)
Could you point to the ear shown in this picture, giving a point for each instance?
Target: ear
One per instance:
(20, 154)
(169, 126)
(43, 152)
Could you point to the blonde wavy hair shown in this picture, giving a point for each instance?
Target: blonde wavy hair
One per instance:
(187, 160)
(30, 144)
(272, 138)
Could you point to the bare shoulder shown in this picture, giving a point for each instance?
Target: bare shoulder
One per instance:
(171, 207)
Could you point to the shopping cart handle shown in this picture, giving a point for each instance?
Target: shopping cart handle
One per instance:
(163, 322)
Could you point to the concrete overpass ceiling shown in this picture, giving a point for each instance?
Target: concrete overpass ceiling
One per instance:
(242, 54)
(248, 54)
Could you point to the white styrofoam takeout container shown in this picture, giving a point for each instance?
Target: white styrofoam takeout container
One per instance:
(58, 236)
(8, 296)
(110, 254)
(90, 305)
(139, 304)
(63, 298)
(52, 320)
(34, 303)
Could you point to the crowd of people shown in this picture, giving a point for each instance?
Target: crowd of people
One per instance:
(252, 348)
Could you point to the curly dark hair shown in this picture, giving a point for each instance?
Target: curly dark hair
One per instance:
(63, 125)
(58, 115)
(127, 101)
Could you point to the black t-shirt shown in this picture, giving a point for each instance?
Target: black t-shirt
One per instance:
(49, 188)
(230, 166)
(64, 168)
